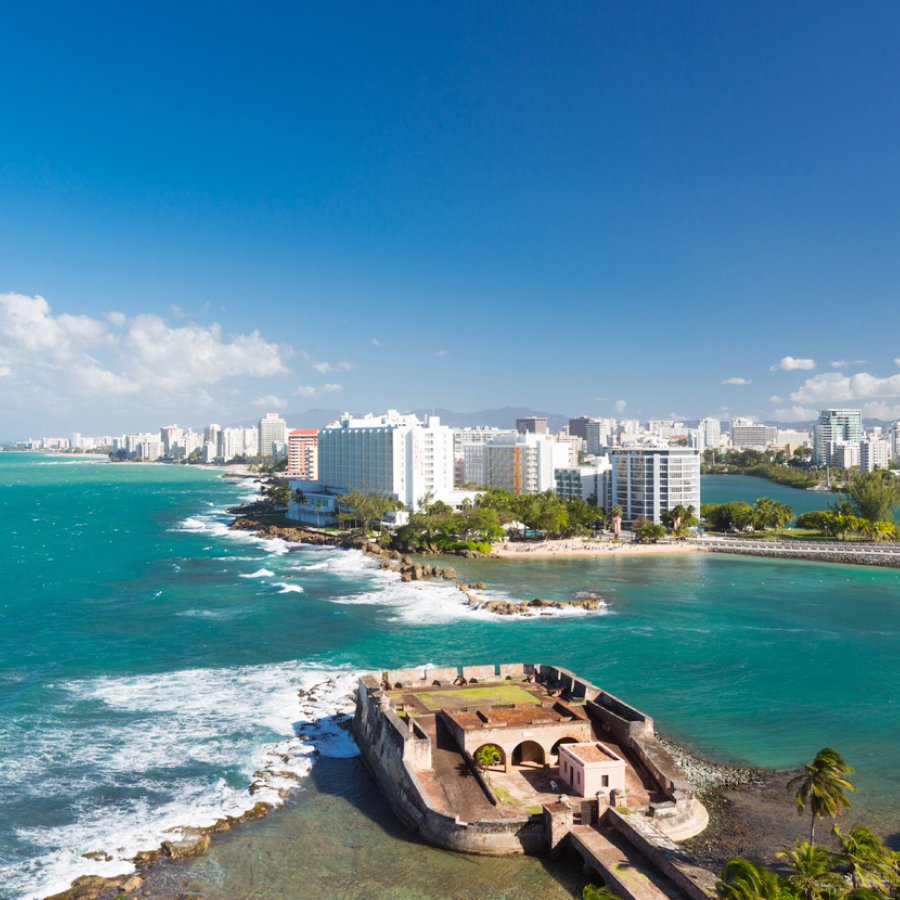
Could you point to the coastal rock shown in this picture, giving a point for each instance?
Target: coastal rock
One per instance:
(97, 856)
(449, 573)
(187, 848)
(477, 586)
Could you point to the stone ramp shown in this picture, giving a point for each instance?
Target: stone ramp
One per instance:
(450, 782)
(624, 870)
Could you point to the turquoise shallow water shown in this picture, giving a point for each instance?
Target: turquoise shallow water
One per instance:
(149, 661)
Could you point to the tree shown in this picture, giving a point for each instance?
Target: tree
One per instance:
(646, 532)
(745, 880)
(615, 518)
(366, 507)
(874, 495)
(870, 863)
(487, 756)
(822, 786)
(278, 493)
(810, 867)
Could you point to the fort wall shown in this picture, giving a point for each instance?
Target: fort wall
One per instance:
(390, 750)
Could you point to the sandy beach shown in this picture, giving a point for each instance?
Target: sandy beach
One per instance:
(590, 548)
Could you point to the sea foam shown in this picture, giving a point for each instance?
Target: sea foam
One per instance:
(156, 752)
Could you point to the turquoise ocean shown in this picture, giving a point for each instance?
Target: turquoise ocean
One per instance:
(150, 662)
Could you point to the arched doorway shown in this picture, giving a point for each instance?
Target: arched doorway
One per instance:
(528, 753)
(554, 750)
(490, 758)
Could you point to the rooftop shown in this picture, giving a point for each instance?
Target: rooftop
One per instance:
(592, 753)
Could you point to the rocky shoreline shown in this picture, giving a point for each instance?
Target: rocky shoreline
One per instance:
(252, 519)
(189, 842)
(751, 811)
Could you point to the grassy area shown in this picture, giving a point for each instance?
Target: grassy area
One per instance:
(488, 695)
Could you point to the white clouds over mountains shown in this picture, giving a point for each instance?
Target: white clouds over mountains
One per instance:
(835, 387)
(80, 358)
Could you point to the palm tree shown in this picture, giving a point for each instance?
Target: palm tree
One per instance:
(745, 880)
(615, 517)
(871, 864)
(811, 870)
(822, 784)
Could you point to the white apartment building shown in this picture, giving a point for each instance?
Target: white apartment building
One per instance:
(272, 435)
(524, 464)
(647, 481)
(394, 454)
(749, 435)
(468, 455)
(790, 439)
(710, 433)
(874, 453)
(845, 454)
(588, 482)
(171, 437)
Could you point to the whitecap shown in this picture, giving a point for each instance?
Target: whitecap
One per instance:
(205, 721)
(259, 573)
(288, 588)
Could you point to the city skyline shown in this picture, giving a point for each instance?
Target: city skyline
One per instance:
(640, 213)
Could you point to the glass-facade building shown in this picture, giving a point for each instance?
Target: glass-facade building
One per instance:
(836, 425)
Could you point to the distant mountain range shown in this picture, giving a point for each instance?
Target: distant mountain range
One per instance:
(505, 417)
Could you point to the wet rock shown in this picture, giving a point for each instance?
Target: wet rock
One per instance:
(449, 573)
(477, 586)
(187, 848)
(97, 856)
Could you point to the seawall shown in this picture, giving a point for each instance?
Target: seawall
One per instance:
(393, 750)
(811, 551)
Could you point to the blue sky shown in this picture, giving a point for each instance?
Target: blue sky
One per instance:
(212, 209)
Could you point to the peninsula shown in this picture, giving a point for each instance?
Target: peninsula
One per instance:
(529, 758)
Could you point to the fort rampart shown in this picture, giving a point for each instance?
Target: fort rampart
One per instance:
(393, 750)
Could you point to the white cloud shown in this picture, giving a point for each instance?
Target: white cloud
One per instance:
(60, 358)
(311, 390)
(177, 311)
(442, 353)
(879, 409)
(897, 360)
(843, 363)
(327, 368)
(791, 364)
(270, 401)
(736, 380)
(776, 399)
(376, 342)
(837, 387)
(619, 406)
(794, 414)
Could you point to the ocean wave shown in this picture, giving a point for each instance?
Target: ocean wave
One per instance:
(288, 588)
(259, 573)
(175, 750)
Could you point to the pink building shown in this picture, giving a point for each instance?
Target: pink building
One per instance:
(591, 768)
(303, 453)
